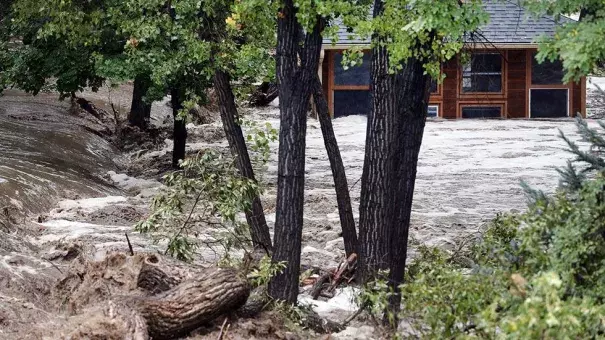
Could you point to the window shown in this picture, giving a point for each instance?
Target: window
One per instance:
(351, 102)
(483, 73)
(433, 111)
(355, 75)
(434, 86)
(481, 111)
(549, 103)
(547, 73)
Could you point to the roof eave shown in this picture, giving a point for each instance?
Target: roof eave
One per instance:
(478, 46)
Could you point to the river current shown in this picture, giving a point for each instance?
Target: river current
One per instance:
(48, 153)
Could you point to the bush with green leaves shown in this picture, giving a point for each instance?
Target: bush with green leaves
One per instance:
(535, 275)
(203, 204)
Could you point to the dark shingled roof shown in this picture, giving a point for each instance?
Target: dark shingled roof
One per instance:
(509, 23)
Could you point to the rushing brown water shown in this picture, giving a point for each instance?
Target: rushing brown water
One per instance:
(46, 153)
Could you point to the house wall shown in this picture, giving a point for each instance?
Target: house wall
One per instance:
(516, 84)
(514, 99)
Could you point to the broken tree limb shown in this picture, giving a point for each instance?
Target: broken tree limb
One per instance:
(319, 285)
(194, 302)
(345, 270)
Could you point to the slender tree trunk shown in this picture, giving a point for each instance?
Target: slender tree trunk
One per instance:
(140, 111)
(229, 115)
(413, 97)
(343, 198)
(375, 213)
(296, 68)
(180, 131)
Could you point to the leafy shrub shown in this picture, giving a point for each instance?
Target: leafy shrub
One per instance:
(537, 275)
(208, 193)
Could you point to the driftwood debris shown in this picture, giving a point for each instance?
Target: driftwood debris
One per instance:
(327, 283)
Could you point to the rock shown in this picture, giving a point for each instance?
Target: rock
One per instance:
(356, 333)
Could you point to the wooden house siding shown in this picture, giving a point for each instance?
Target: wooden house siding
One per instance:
(513, 100)
(450, 89)
(516, 84)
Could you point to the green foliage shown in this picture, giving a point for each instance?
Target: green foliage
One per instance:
(259, 138)
(175, 44)
(432, 31)
(294, 316)
(579, 44)
(536, 275)
(544, 311)
(587, 162)
(266, 269)
(441, 299)
(208, 193)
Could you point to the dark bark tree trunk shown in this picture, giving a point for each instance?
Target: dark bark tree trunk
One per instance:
(264, 94)
(343, 198)
(375, 213)
(180, 131)
(140, 111)
(229, 115)
(413, 98)
(394, 136)
(296, 70)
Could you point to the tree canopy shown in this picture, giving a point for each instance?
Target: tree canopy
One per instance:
(579, 44)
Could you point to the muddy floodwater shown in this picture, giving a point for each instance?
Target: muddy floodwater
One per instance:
(47, 152)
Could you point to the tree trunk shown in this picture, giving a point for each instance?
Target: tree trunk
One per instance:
(343, 198)
(375, 213)
(229, 115)
(296, 69)
(413, 94)
(193, 303)
(264, 94)
(140, 111)
(180, 131)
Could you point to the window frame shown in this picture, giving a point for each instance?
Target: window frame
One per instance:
(530, 86)
(501, 105)
(332, 86)
(438, 106)
(503, 75)
(569, 102)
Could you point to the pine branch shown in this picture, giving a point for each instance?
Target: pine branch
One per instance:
(533, 195)
(571, 180)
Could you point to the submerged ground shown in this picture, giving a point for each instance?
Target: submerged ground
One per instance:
(469, 170)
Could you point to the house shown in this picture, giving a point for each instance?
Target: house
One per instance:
(502, 79)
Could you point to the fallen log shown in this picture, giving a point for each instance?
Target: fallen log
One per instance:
(193, 303)
(159, 274)
(171, 297)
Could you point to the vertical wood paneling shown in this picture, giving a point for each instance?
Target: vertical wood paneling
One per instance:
(576, 99)
(517, 84)
(325, 74)
(450, 88)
